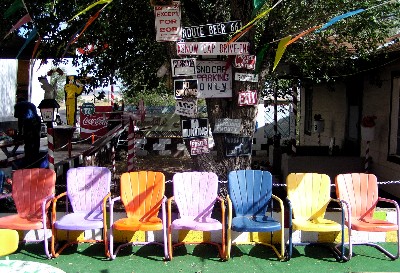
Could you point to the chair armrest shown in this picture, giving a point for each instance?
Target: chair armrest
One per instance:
(169, 202)
(44, 216)
(112, 201)
(396, 205)
(290, 216)
(282, 208)
(222, 202)
(228, 199)
(54, 208)
(346, 210)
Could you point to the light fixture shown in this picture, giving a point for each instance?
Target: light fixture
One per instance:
(47, 107)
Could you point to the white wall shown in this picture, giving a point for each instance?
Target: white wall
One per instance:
(8, 87)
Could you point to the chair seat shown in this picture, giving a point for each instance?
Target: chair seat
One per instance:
(134, 224)
(79, 221)
(16, 222)
(373, 225)
(320, 224)
(255, 224)
(205, 224)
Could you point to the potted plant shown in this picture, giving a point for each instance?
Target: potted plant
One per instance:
(319, 123)
(368, 128)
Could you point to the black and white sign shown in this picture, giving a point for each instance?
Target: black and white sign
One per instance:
(199, 146)
(212, 48)
(246, 77)
(185, 88)
(183, 67)
(214, 80)
(168, 22)
(186, 107)
(227, 126)
(210, 30)
(193, 128)
(238, 146)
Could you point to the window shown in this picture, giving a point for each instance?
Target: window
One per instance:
(394, 141)
(308, 119)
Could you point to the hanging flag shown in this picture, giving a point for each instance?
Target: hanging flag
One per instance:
(281, 49)
(258, 4)
(36, 47)
(27, 18)
(70, 41)
(17, 5)
(28, 40)
(260, 57)
(302, 34)
(90, 7)
(88, 23)
(340, 17)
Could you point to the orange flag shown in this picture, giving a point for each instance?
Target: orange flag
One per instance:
(303, 34)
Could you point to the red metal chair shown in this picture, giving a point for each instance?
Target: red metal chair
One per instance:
(359, 192)
(32, 192)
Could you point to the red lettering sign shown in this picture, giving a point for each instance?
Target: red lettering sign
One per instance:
(95, 124)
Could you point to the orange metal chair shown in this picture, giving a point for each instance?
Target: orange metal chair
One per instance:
(359, 192)
(142, 194)
(32, 192)
(308, 196)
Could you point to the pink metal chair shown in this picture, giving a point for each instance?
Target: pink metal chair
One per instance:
(32, 192)
(359, 192)
(88, 189)
(195, 194)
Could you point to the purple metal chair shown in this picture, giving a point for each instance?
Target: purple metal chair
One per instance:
(195, 194)
(88, 189)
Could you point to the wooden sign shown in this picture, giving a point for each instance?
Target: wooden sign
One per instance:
(183, 67)
(214, 80)
(195, 128)
(212, 48)
(238, 146)
(210, 30)
(228, 126)
(245, 61)
(186, 107)
(248, 97)
(185, 88)
(168, 22)
(246, 77)
(199, 146)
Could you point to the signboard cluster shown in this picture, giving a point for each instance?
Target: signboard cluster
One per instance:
(200, 79)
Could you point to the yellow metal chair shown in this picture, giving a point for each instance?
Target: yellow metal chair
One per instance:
(308, 196)
(9, 240)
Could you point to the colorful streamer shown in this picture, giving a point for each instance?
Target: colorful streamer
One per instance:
(303, 34)
(340, 17)
(17, 5)
(36, 47)
(259, 57)
(90, 7)
(27, 18)
(28, 40)
(88, 23)
(281, 49)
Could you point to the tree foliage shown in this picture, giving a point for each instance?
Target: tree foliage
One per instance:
(124, 46)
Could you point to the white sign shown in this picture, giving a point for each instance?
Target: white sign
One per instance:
(212, 48)
(214, 81)
(248, 97)
(199, 146)
(168, 22)
(210, 30)
(246, 77)
(187, 108)
(183, 67)
(228, 126)
(245, 61)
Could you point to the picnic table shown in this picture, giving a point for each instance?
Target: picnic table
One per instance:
(9, 149)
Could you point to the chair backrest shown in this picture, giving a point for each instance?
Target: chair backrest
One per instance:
(195, 193)
(142, 193)
(250, 191)
(30, 188)
(309, 194)
(360, 190)
(87, 186)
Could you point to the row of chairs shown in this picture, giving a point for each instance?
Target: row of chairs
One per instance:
(250, 204)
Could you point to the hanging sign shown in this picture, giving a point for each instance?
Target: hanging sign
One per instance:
(212, 48)
(248, 97)
(185, 88)
(88, 108)
(214, 80)
(199, 146)
(237, 146)
(246, 77)
(168, 22)
(97, 123)
(210, 30)
(183, 67)
(245, 61)
(186, 107)
(228, 126)
(197, 127)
